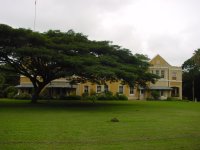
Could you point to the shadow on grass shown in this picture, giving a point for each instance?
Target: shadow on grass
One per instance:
(9, 103)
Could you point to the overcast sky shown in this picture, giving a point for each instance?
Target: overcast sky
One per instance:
(170, 28)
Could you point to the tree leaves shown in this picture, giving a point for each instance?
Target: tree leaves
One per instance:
(56, 54)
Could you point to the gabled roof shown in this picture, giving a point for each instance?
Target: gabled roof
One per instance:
(159, 61)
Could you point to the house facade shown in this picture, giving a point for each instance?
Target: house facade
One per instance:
(169, 84)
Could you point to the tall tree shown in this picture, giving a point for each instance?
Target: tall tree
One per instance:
(43, 57)
(191, 74)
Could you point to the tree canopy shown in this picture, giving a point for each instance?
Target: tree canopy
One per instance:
(191, 76)
(43, 57)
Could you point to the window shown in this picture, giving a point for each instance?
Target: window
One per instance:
(161, 93)
(98, 88)
(141, 92)
(162, 74)
(86, 89)
(173, 75)
(152, 71)
(121, 89)
(157, 72)
(175, 92)
(105, 88)
(131, 90)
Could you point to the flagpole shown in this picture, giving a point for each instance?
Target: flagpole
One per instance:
(35, 16)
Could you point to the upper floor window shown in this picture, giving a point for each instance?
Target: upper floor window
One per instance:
(121, 89)
(174, 76)
(86, 89)
(162, 74)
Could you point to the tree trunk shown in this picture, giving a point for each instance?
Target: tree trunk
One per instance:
(193, 92)
(36, 93)
(34, 98)
(38, 86)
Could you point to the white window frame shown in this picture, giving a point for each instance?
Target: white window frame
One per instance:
(98, 90)
(174, 75)
(157, 72)
(162, 74)
(122, 89)
(105, 88)
(131, 88)
(84, 89)
(142, 92)
(161, 93)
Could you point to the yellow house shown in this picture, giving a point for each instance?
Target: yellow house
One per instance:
(170, 82)
(169, 85)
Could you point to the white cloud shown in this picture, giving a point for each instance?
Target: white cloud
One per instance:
(170, 28)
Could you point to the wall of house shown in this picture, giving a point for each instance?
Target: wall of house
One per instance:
(24, 80)
(112, 87)
(172, 77)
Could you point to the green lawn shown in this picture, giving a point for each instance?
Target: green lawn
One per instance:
(144, 125)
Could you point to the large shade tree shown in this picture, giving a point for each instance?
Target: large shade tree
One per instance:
(191, 76)
(43, 57)
(7, 80)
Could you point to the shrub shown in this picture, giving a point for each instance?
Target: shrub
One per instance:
(23, 96)
(102, 97)
(106, 96)
(71, 97)
(11, 95)
(2, 94)
(173, 99)
(122, 97)
(92, 98)
(11, 91)
(45, 95)
(114, 120)
(155, 95)
(110, 97)
(92, 93)
(170, 99)
(150, 99)
(85, 94)
(108, 93)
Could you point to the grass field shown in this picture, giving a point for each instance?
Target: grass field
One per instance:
(143, 125)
